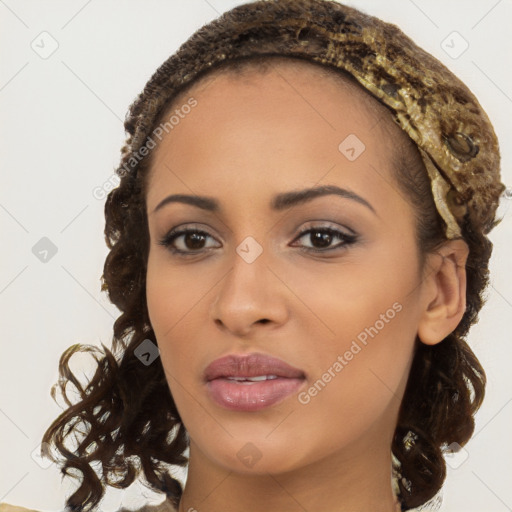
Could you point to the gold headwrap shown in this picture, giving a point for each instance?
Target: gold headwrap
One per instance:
(438, 112)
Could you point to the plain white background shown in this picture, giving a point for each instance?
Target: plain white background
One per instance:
(60, 138)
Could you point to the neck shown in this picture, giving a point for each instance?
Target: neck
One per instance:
(358, 481)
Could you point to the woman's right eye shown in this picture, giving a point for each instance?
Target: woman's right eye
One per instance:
(185, 242)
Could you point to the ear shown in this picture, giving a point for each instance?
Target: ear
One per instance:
(444, 292)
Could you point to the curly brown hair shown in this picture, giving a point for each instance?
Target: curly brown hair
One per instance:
(130, 424)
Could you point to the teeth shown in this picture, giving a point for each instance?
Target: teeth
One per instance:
(254, 379)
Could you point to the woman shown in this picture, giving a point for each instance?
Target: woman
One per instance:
(300, 228)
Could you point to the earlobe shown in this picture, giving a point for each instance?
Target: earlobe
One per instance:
(444, 297)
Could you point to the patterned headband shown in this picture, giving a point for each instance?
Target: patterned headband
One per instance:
(444, 119)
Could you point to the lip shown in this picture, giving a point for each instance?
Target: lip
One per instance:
(246, 395)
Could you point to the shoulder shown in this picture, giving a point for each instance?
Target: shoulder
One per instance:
(163, 507)
(5, 507)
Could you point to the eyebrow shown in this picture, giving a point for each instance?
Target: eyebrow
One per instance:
(280, 202)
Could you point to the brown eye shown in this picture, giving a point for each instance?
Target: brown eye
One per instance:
(194, 240)
(321, 239)
(190, 241)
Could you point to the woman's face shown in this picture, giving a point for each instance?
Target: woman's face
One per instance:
(340, 307)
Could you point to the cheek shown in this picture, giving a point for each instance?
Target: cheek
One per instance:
(173, 293)
(364, 314)
(365, 359)
(345, 299)
(169, 301)
(357, 381)
(178, 300)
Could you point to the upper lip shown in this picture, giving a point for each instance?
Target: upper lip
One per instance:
(251, 365)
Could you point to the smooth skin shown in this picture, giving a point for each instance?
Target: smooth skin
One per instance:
(249, 138)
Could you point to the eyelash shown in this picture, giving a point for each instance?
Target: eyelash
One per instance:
(348, 239)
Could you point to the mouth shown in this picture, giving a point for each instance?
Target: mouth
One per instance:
(251, 382)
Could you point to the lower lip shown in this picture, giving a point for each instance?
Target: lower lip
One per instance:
(251, 396)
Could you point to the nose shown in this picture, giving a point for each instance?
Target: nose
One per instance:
(249, 295)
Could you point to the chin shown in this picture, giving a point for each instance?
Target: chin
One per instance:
(257, 451)
(253, 458)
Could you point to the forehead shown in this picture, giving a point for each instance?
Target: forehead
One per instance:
(277, 71)
(314, 83)
(285, 123)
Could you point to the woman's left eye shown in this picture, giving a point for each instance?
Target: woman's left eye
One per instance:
(324, 236)
(192, 240)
